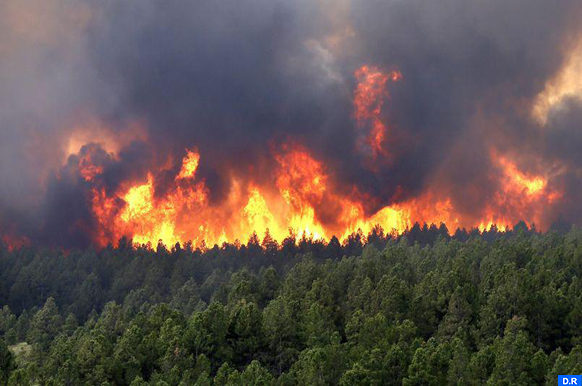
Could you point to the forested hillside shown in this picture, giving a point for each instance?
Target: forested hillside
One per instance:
(421, 308)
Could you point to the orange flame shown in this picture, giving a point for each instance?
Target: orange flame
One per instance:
(531, 185)
(87, 168)
(369, 98)
(522, 196)
(304, 199)
(189, 165)
(301, 195)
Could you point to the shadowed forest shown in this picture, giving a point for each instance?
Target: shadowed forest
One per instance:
(422, 308)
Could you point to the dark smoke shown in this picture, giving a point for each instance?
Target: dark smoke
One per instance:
(237, 79)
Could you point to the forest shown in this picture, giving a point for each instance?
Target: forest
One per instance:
(421, 308)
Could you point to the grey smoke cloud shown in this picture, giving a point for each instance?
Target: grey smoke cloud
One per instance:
(234, 79)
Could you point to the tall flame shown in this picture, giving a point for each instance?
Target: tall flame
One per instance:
(301, 194)
(369, 97)
(303, 199)
(189, 166)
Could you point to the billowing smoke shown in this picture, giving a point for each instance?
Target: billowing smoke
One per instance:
(95, 95)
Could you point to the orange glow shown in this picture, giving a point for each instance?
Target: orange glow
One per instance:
(300, 195)
(531, 185)
(153, 222)
(13, 242)
(303, 198)
(189, 165)
(521, 196)
(87, 168)
(110, 140)
(567, 82)
(369, 98)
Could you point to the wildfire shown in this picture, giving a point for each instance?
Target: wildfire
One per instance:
(369, 98)
(172, 203)
(531, 185)
(152, 221)
(88, 169)
(12, 241)
(189, 165)
(522, 195)
(304, 199)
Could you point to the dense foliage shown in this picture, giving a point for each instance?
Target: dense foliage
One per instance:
(423, 308)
